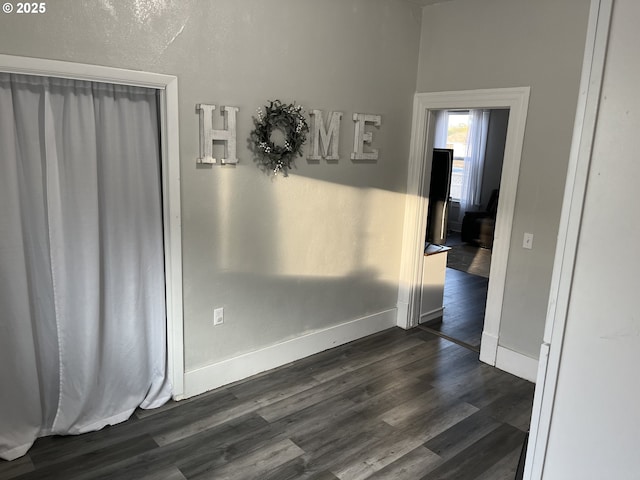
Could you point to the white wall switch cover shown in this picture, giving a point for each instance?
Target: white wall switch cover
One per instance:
(527, 242)
(218, 316)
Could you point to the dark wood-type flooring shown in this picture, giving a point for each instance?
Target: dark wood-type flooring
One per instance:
(396, 405)
(465, 298)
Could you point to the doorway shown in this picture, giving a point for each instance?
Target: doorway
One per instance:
(422, 141)
(477, 139)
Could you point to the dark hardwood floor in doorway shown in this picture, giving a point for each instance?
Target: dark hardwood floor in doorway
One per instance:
(465, 298)
(395, 405)
(465, 294)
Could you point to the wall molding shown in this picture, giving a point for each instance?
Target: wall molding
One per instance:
(432, 315)
(212, 376)
(510, 361)
(517, 364)
(489, 352)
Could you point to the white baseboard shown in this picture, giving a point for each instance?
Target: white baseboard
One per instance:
(228, 371)
(517, 364)
(507, 360)
(488, 348)
(403, 315)
(432, 315)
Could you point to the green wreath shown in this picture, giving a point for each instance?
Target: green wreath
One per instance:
(290, 120)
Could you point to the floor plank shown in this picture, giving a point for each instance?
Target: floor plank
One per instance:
(410, 466)
(255, 464)
(18, 467)
(464, 300)
(479, 457)
(396, 405)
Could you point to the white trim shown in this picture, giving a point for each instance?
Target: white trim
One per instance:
(411, 263)
(490, 348)
(516, 363)
(168, 85)
(80, 71)
(227, 371)
(173, 237)
(432, 315)
(517, 101)
(568, 234)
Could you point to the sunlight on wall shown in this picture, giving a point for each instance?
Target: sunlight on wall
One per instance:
(346, 231)
(223, 244)
(308, 228)
(285, 256)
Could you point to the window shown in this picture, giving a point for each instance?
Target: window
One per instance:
(457, 136)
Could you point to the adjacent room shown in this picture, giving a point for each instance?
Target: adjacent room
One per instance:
(461, 219)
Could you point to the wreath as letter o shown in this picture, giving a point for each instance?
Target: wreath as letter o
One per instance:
(290, 120)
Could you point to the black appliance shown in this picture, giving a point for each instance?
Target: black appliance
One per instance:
(439, 189)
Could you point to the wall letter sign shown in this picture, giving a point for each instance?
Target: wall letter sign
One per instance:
(324, 136)
(360, 137)
(208, 134)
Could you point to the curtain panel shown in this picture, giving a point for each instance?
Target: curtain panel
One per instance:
(82, 296)
(474, 159)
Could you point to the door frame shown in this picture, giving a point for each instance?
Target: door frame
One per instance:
(422, 137)
(593, 66)
(168, 87)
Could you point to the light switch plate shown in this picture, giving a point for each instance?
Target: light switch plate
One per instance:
(218, 316)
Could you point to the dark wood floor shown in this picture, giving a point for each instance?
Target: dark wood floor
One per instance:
(396, 405)
(465, 298)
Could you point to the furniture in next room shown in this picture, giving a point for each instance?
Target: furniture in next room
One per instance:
(478, 227)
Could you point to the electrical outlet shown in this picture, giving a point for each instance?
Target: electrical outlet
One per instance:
(527, 242)
(218, 316)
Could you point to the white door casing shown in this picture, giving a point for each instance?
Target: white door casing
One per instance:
(517, 101)
(168, 87)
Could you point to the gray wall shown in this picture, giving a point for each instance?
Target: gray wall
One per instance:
(467, 44)
(283, 256)
(595, 418)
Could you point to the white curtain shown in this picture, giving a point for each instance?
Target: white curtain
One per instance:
(474, 159)
(441, 131)
(82, 306)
